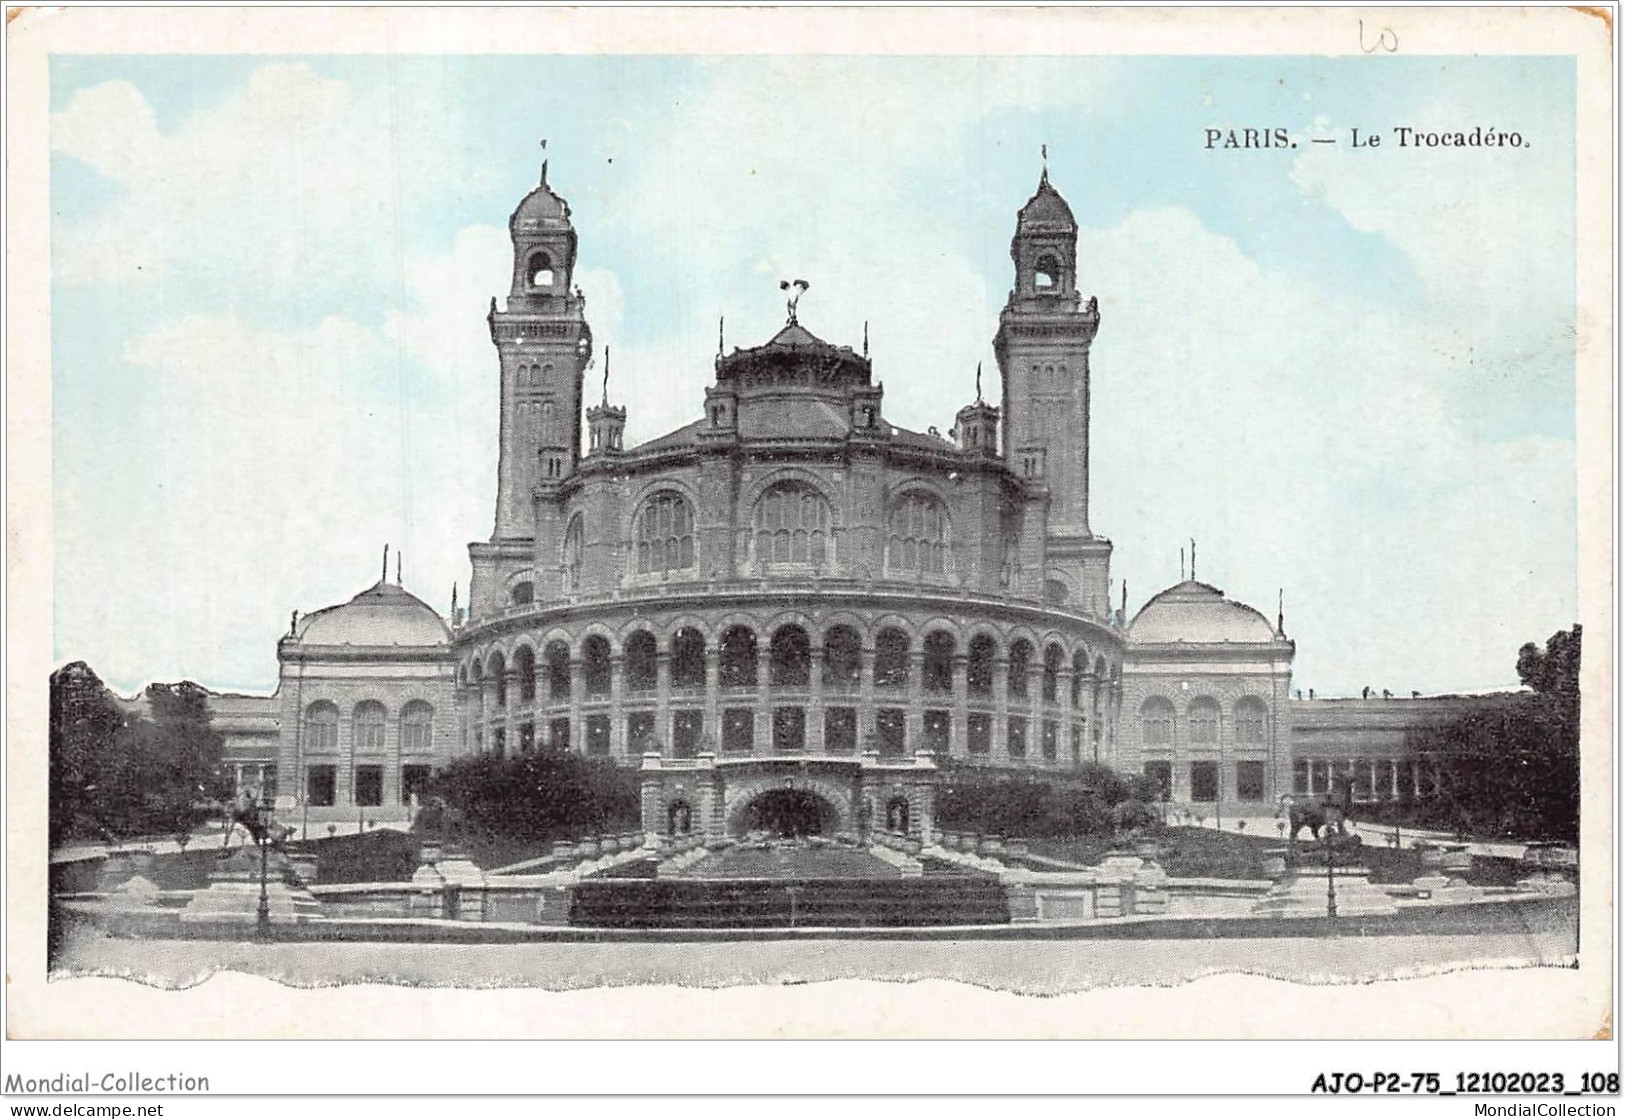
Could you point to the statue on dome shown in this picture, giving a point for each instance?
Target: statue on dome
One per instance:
(798, 287)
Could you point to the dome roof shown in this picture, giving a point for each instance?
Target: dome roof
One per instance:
(384, 614)
(540, 208)
(795, 356)
(1195, 613)
(1046, 207)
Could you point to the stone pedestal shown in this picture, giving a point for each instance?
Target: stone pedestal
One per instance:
(233, 893)
(1302, 893)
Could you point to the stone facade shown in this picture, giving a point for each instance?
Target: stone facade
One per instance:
(789, 592)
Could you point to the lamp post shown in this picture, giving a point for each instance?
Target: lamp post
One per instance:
(1334, 819)
(262, 819)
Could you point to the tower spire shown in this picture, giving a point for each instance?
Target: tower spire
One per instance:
(978, 382)
(1043, 154)
(1193, 557)
(865, 337)
(605, 401)
(544, 161)
(454, 602)
(719, 335)
(1181, 565)
(398, 582)
(383, 576)
(1280, 611)
(1125, 599)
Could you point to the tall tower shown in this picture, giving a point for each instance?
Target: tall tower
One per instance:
(1043, 351)
(544, 345)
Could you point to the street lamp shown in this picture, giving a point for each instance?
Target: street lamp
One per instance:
(1334, 820)
(263, 821)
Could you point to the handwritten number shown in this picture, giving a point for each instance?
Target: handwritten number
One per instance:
(1387, 40)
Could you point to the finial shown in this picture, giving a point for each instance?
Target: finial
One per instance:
(978, 382)
(800, 287)
(293, 623)
(865, 337)
(1193, 557)
(398, 582)
(544, 161)
(383, 576)
(606, 377)
(1181, 565)
(1280, 611)
(454, 601)
(719, 335)
(1043, 154)
(1125, 598)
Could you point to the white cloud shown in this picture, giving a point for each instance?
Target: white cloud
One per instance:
(290, 178)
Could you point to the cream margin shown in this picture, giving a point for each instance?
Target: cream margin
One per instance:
(1546, 1003)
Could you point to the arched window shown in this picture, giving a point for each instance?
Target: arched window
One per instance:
(1250, 721)
(417, 728)
(1021, 659)
(917, 540)
(664, 534)
(1053, 659)
(497, 670)
(891, 659)
(1047, 273)
(979, 665)
(1157, 722)
(1055, 591)
(791, 525)
(1080, 670)
(522, 594)
(688, 658)
(843, 657)
(595, 667)
(558, 671)
(790, 658)
(524, 667)
(642, 654)
(1203, 716)
(938, 670)
(574, 546)
(738, 663)
(321, 727)
(368, 722)
(540, 270)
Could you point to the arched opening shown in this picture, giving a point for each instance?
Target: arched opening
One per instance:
(321, 727)
(417, 723)
(1203, 716)
(679, 818)
(642, 658)
(558, 672)
(897, 814)
(738, 664)
(1157, 722)
(979, 665)
(791, 523)
(789, 658)
(524, 667)
(938, 674)
(1250, 721)
(665, 534)
(522, 594)
(369, 727)
(1021, 659)
(891, 659)
(1047, 273)
(1054, 657)
(688, 658)
(497, 670)
(595, 666)
(843, 658)
(786, 814)
(574, 547)
(539, 270)
(917, 540)
(1080, 673)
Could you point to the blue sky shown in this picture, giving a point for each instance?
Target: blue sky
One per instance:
(1348, 374)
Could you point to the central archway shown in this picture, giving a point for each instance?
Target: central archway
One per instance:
(787, 813)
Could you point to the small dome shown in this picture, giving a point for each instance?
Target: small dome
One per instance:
(1193, 613)
(1046, 208)
(382, 615)
(540, 208)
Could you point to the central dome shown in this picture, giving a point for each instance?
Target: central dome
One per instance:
(382, 615)
(795, 357)
(1195, 613)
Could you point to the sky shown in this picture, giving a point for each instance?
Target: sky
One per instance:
(1347, 373)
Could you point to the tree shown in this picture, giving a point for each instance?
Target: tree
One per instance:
(1512, 768)
(116, 775)
(540, 795)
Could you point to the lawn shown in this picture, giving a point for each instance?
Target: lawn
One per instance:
(1207, 853)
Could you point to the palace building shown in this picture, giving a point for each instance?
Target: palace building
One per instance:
(792, 603)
